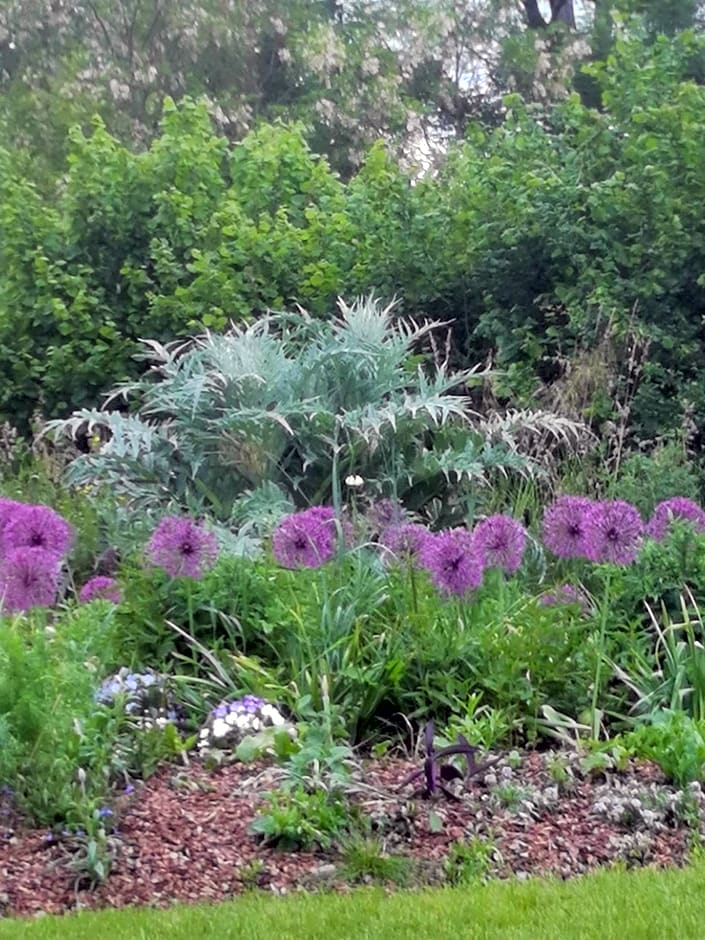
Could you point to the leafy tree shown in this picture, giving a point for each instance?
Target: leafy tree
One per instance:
(413, 72)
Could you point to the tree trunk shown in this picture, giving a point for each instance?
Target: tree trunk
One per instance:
(561, 12)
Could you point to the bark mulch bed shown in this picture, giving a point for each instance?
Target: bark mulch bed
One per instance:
(183, 835)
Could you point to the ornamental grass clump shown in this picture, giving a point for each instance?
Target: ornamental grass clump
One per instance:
(669, 510)
(500, 541)
(182, 548)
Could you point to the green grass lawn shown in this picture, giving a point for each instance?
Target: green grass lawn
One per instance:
(624, 905)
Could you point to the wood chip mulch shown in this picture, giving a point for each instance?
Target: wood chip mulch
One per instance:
(183, 835)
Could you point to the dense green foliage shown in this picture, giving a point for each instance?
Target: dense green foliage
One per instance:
(560, 232)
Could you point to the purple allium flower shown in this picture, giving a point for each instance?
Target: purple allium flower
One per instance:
(501, 541)
(679, 507)
(8, 507)
(403, 542)
(613, 532)
(29, 577)
(384, 513)
(305, 539)
(36, 527)
(453, 562)
(182, 548)
(564, 594)
(564, 526)
(102, 588)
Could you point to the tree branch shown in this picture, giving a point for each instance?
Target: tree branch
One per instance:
(534, 20)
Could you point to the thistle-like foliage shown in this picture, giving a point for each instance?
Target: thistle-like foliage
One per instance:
(293, 402)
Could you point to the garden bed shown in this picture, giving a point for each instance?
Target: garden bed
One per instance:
(184, 834)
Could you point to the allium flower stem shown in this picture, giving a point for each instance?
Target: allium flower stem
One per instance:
(411, 568)
(595, 713)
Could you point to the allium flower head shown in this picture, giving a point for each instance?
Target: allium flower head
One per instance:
(305, 539)
(679, 507)
(8, 507)
(36, 527)
(564, 526)
(403, 542)
(564, 594)
(613, 532)
(501, 541)
(182, 548)
(102, 588)
(453, 562)
(29, 577)
(384, 513)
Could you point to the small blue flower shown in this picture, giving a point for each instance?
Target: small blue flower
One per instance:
(105, 811)
(220, 712)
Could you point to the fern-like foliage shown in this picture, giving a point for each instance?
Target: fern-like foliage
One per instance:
(297, 404)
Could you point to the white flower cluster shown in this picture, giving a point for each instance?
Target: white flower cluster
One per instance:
(144, 696)
(231, 721)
